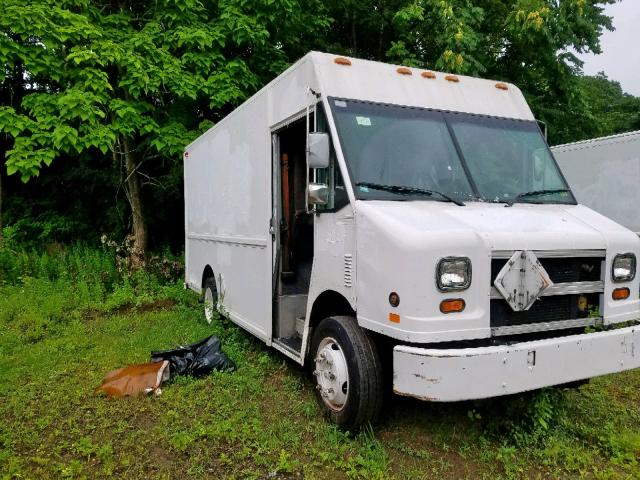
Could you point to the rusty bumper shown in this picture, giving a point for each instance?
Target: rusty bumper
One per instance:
(448, 375)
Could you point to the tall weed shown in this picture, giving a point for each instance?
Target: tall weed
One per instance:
(42, 292)
(525, 419)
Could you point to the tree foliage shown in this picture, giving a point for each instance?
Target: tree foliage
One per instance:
(134, 80)
(527, 42)
(116, 89)
(609, 110)
(153, 72)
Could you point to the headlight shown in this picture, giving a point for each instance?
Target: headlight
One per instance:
(624, 267)
(453, 273)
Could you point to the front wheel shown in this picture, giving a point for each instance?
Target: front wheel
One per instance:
(347, 371)
(210, 299)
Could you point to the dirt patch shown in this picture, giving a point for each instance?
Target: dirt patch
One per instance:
(128, 308)
(156, 305)
(164, 304)
(275, 379)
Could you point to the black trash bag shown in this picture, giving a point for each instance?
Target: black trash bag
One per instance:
(197, 359)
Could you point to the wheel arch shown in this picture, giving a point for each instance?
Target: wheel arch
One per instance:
(327, 304)
(207, 272)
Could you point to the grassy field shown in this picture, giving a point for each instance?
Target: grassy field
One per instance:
(68, 318)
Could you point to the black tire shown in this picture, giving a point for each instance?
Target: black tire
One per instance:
(364, 392)
(210, 293)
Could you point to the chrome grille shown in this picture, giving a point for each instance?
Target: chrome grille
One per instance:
(562, 270)
(573, 273)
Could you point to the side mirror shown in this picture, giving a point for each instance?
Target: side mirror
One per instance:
(318, 194)
(318, 150)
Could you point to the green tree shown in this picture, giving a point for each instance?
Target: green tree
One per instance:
(527, 42)
(135, 80)
(111, 91)
(535, 54)
(609, 110)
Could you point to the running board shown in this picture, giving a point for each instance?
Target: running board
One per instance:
(287, 350)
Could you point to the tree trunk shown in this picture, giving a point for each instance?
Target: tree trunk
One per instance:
(139, 224)
(12, 92)
(4, 147)
(354, 45)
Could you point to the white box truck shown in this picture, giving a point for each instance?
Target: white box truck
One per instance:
(392, 225)
(603, 174)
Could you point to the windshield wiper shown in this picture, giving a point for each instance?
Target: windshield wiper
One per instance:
(534, 193)
(408, 190)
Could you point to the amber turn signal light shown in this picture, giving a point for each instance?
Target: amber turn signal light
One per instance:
(342, 61)
(394, 318)
(452, 305)
(620, 293)
(502, 86)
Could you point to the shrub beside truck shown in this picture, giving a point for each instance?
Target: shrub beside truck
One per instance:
(393, 227)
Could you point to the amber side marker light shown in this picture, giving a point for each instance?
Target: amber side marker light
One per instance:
(620, 293)
(403, 71)
(452, 305)
(342, 61)
(394, 317)
(394, 299)
(502, 86)
(452, 78)
(428, 75)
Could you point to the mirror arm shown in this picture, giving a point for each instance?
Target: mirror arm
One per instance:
(306, 200)
(544, 128)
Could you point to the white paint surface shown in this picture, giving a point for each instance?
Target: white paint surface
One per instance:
(604, 174)
(474, 373)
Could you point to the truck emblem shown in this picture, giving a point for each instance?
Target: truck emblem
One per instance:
(522, 280)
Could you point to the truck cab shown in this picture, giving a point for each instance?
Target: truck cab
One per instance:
(393, 227)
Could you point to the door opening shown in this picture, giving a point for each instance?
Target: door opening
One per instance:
(294, 242)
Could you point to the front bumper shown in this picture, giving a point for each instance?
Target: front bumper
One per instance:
(448, 375)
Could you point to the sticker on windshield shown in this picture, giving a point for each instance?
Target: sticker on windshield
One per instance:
(340, 103)
(365, 121)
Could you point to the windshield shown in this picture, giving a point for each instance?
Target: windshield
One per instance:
(463, 156)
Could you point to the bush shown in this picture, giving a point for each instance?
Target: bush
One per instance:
(524, 419)
(64, 284)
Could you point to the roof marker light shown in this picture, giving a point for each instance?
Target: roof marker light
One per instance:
(452, 78)
(342, 61)
(502, 86)
(403, 71)
(428, 74)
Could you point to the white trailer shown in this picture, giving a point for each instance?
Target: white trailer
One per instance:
(604, 173)
(387, 225)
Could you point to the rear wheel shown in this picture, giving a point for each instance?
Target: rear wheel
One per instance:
(210, 299)
(347, 371)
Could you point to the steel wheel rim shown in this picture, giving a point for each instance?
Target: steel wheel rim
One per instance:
(209, 305)
(332, 374)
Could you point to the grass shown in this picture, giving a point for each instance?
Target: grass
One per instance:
(69, 317)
